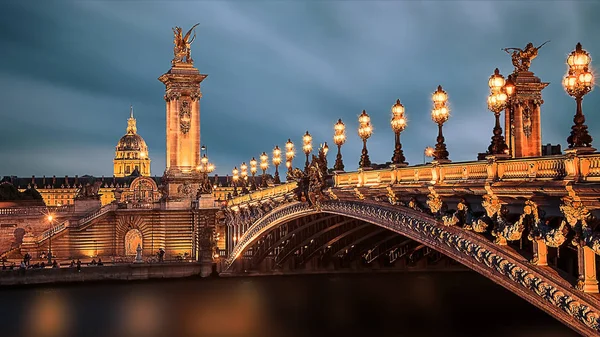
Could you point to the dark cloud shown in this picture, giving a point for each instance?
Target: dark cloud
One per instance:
(70, 70)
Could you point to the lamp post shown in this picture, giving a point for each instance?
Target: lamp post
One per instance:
(244, 174)
(440, 114)
(276, 162)
(496, 102)
(50, 219)
(365, 130)
(235, 178)
(253, 164)
(339, 138)
(307, 148)
(398, 123)
(289, 154)
(577, 83)
(510, 89)
(205, 167)
(428, 152)
(264, 165)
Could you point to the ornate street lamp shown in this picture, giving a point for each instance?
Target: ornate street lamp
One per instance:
(510, 89)
(289, 154)
(398, 123)
(578, 82)
(365, 130)
(339, 138)
(276, 162)
(428, 152)
(253, 170)
(496, 102)
(264, 165)
(244, 176)
(235, 179)
(440, 114)
(307, 148)
(205, 168)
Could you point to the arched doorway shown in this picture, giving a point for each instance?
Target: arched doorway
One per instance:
(132, 239)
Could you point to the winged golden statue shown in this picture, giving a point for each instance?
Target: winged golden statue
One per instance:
(521, 58)
(182, 48)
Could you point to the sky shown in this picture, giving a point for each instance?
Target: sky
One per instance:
(69, 70)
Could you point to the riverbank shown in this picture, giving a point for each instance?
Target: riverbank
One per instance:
(121, 272)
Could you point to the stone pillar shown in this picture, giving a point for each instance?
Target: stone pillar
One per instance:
(588, 282)
(540, 253)
(206, 244)
(182, 96)
(526, 121)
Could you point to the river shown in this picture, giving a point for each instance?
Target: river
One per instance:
(366, 305)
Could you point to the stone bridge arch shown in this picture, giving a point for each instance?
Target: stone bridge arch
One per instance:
(539, 286)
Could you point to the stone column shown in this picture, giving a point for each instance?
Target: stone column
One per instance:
(540, 251)
(588, 282)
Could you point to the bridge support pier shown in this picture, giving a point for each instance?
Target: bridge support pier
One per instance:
(540, 253)
(587, 270)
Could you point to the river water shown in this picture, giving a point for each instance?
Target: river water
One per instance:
(365, 305)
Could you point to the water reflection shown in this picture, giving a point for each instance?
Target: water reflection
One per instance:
(410, 304)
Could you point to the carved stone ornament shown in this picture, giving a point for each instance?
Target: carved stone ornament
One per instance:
(392, 198)
(172, 95)
(491, 204)
(196, 95)
(527, 121)
(574, 211)
(359, 195)
(185, 189)
(184, 117)
(434, 202)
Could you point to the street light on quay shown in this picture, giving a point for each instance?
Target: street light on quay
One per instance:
(235, 179)
(339, 138)
(440, 114)
(428, 152)
(497, 102)
(276, 162)
(365, 130)
(579, 81)
(307, 148)
(244, 176)
(289, 154)
(253, 170)
(398, 124)
(264, 165)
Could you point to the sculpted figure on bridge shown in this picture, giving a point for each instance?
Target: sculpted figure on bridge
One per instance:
(521, 58)
(89, 191)
(182, 48)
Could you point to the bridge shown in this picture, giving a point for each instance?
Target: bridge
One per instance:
(525, 224)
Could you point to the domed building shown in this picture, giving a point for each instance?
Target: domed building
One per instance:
(131, 155)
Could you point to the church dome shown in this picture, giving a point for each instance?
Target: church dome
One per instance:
(132, 142)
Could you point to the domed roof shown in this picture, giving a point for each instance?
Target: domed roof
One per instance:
(131, 142)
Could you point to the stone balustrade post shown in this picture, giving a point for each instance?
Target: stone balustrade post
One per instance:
(588, 282)
(540, 253)
(492, 168)
(572, 166)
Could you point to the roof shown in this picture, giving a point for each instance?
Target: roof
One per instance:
(46, 182)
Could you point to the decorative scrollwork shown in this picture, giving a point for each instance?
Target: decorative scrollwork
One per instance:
(392, 198)
(184, 117)
(434, 202)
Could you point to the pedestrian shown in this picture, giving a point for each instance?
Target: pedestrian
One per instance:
(78, 266)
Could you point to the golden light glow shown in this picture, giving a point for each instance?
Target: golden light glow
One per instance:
(235, 173)
(509, 87)
(276, 156)
(264, 161)
(289, 154)
(325, 148)
(440, 112)
(204, 159)
(339, 136)
(50, 217)
(253, 166)
(429, 151)
(398, 121)
(244, 169)
(365, 130)
(579, 80)
(307, 140)
(498, 98)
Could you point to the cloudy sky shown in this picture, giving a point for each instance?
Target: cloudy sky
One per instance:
(70, 70)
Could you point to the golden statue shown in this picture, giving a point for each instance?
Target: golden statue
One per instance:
(182, 48)
(521, 58)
